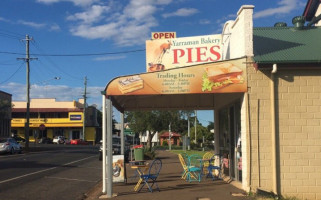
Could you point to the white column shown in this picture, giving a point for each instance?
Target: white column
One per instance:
(109, 149)
(104, 143)
(122, 135)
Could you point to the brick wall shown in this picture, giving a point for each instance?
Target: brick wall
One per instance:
(298, 120)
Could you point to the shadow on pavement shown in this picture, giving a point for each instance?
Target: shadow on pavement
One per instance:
(171, 186)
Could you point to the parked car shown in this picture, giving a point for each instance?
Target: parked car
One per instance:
(59, 140)
(116, 148)
(9, 145)
(45, 140)
(19, 139)
(79, 142)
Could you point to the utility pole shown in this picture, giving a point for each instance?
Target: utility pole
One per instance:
(27, 59)
(84, 120)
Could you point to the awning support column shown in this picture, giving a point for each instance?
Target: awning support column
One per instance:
(109, 149)
(104, 142)
(122, 135)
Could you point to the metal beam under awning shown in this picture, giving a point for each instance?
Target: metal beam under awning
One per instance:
(173, 101)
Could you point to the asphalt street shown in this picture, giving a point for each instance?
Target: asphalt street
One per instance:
(60, 172)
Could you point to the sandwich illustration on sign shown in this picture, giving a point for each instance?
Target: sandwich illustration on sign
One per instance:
(130, 84)
(220, 76)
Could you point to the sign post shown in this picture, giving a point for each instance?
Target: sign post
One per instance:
(42, 127)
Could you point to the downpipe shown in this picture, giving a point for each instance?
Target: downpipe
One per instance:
(273, 131)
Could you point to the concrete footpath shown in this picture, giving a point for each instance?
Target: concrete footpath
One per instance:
(171, 186)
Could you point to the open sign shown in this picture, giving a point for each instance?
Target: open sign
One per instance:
(163, 35)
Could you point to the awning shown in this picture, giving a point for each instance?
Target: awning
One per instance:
(196, 87)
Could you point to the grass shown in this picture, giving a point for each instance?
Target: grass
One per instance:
(271, 198)
(201, 153)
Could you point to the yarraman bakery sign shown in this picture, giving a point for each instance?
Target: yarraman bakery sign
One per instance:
(181, 52)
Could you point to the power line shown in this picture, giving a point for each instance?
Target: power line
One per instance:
(9, 36)
(13, 33)
(50, 61)
(12, 74)
(75, 55)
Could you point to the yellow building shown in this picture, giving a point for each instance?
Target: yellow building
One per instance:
(50, 118)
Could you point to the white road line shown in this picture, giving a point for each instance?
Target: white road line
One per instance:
(37, 172)
(69, 179)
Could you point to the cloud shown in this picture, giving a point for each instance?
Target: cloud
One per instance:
(52, 27)
(284, 7)
(126, 25)
(182, 12)
(205, 21)
(226, 18)
(55, 27)
(104, 58)
(81, 3)
(4, 20)
(31, 24)
(59, 92)
(163, 2)
(93, 14)
(95, 32)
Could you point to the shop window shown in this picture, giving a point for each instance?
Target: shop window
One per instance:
(75, 134)
(18, 115)
(30, 132)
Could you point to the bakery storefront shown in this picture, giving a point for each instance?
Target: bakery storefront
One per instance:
(192, 73)
(206, 86)
(264, 87)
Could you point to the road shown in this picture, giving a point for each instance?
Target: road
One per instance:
(61, 172)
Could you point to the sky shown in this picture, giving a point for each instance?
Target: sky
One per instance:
(104, 39)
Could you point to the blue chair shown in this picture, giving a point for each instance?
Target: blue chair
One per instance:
(150, 178)
(194, 168)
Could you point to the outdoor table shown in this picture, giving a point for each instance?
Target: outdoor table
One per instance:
(137, 162)
(210, 168)
(134, 163)
(209, 164)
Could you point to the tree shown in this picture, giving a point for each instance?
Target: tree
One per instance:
(210, 126)
(100, 119)
(201, 131)
(154, 121)
(141, 121)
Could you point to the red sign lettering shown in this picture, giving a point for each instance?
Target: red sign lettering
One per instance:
(163, 35)
(203, 54)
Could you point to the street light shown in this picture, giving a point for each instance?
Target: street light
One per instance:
(45, 82)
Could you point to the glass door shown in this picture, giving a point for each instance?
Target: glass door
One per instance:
(224, 140)
(230, 141)
(238, 143)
